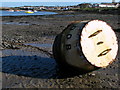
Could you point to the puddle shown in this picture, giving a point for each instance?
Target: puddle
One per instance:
(15, 23)
(17, 52)
(40, 45)
(66, 15)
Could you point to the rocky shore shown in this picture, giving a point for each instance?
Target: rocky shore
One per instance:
(27, 60)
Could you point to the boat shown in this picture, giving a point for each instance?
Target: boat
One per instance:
(11, 10)
(29, 12)
(35, 10)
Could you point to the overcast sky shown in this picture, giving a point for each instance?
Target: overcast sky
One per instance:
(58, 0)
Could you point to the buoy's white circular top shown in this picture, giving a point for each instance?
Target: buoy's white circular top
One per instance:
(99, 43)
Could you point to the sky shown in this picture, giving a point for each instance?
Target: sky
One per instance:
(16, 3)
(58, 0)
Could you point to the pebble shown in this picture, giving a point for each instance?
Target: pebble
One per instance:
(93, 74)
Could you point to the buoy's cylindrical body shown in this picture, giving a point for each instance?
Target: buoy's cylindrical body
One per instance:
(86, 45)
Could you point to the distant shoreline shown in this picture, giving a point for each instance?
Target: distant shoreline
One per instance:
(75, 12)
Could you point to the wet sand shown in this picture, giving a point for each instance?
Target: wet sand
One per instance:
(27, 60)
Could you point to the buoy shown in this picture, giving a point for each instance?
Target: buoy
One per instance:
(86, 45)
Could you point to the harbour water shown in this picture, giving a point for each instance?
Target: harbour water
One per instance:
(23, 13)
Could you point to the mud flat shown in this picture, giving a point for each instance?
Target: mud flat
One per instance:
(27, 60)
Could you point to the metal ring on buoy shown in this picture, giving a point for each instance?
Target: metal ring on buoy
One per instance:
(86, 45)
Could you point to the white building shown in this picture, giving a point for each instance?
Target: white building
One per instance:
(107, 5)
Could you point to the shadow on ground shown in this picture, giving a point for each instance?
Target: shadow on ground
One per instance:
(34, 66)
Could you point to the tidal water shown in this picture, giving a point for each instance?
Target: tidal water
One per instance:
(40, 45)
(22, 13)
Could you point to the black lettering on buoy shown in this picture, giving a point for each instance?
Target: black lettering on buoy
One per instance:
(73, 28)
(68, 46)
(69, 36)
